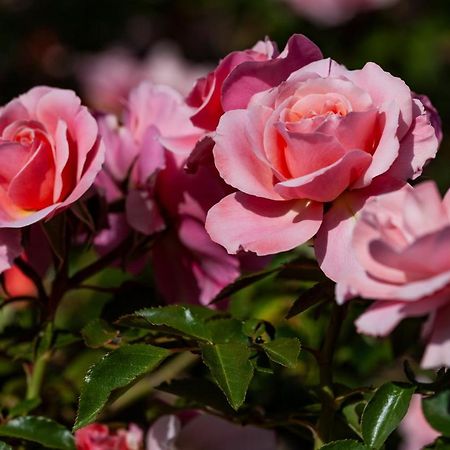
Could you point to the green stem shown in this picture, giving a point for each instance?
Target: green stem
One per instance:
(326, 418)
(36, 376)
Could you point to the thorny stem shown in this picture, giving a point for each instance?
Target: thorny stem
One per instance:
(29, 272)
(326, 418)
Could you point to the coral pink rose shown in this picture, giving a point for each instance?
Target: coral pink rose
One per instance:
(323, 131)
(334, 12)
(207, 432)
(99, 437)
(50, 154)
(246, 72)
(414, 429)
(398, 254)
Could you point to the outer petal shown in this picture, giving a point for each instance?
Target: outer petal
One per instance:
(418, 147)
(437, 352)
(236, 161)
(240, 221)
(256, 76)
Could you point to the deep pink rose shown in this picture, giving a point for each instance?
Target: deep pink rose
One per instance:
(99, 437)
(323, 131)
(189, 266)
(397, 253)
(245, 73)
(335, 12)
(414, 429)
(50, 154)
(207, 432)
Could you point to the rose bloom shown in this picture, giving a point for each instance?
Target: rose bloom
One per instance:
(207, 432)
(324, 131)
(334, 12)
(98, 437)
(414, 428)
(397, 253)
(246, 72)
(51, 153)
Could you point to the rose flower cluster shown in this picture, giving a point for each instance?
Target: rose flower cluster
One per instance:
(270, 150)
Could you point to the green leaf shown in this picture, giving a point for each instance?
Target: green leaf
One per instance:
(346, 444)
(316, 295)
(184, 320)
(39, 429)
(243, 282)
(283, 351)
(384, 412)
(24, 407)
(437, 411)
(97, 333)
(115, 370)
(224, 330)
(4, 446)
(231, 369)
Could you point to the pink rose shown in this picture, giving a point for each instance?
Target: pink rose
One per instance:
(414, 429)
(323, 131)
(155, 120)
(334, 12)
(50, 154)
(209, 432)
(246, 72)
(99, 437)
(398, 254)
(108, 77)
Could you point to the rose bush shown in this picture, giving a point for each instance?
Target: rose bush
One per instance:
(295, 147)
(99, 437)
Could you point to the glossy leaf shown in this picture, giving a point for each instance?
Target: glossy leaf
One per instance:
(40, 430)
(437, 411)
(184, 320)
(4, 446)
(115, 370)
(316, 295)
(98, 333)
(243, 282)
(347, 444)
(384, 412)
(283, 351)
(223, 330)
(231, 369)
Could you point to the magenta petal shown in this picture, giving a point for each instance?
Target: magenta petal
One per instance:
(143, 213)
(256, 76)
(162, 433)
(328, 183)
(437, 352)
(243, 222)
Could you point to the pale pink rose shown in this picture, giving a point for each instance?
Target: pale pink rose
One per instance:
(243, 73)
(98, 437)
(397, 253)
(207, 432)
(414, 429)
(334, 12)
(323, 131)
(155, 121)
(50, 154)
(108, 77)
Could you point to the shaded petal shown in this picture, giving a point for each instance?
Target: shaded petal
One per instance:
(143, 213)
(240, 221)
(162, 433)
(10, 247)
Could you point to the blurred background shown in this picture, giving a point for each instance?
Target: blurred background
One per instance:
(53, 42)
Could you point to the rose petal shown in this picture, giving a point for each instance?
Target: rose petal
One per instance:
(240, 221)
